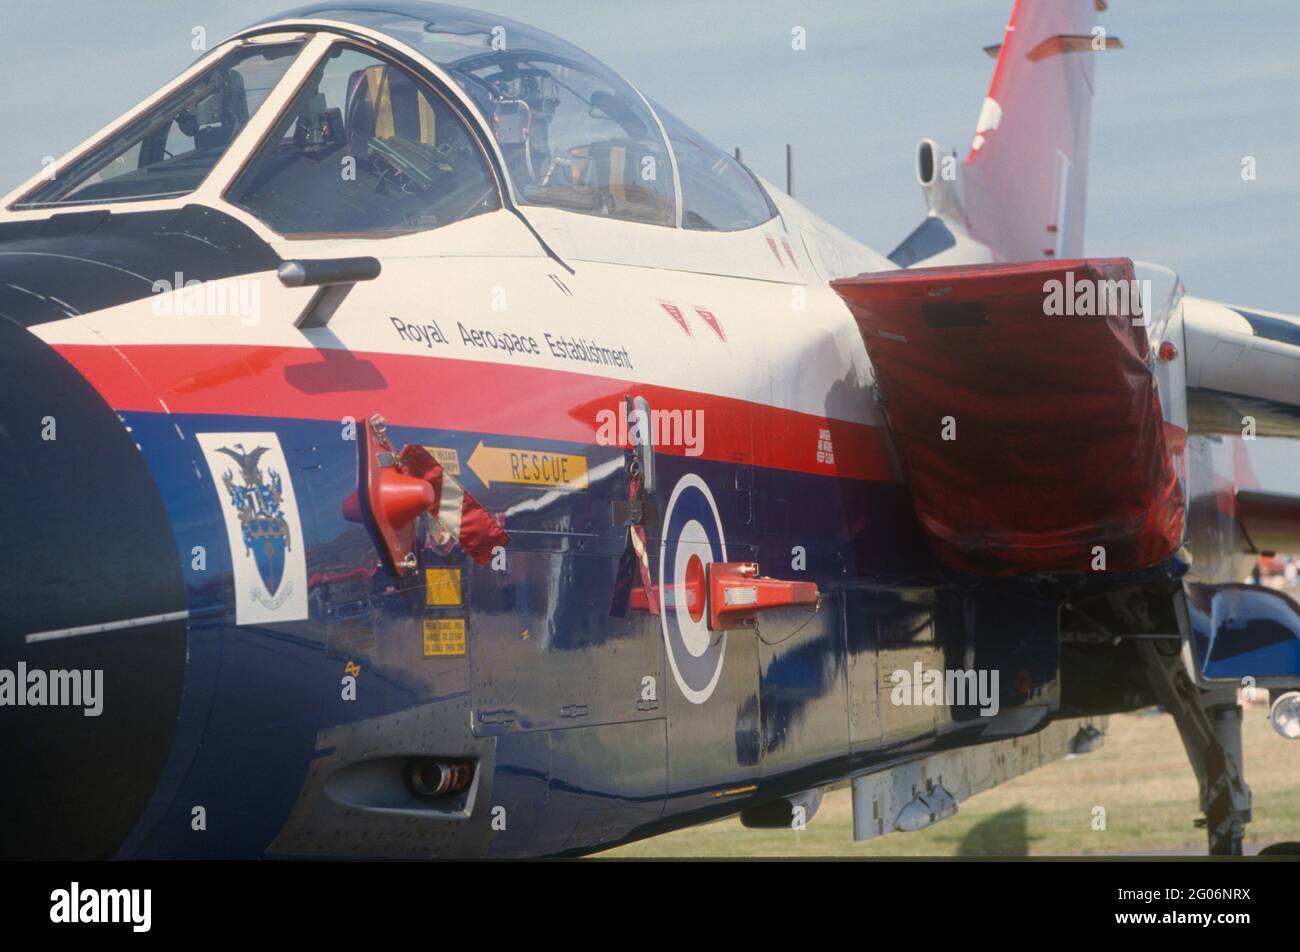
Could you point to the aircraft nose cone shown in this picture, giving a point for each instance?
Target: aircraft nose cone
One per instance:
(90, 686)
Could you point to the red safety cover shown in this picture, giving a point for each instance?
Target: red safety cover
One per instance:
(1060, 443)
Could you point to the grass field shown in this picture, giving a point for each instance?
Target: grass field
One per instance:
(1141, 777)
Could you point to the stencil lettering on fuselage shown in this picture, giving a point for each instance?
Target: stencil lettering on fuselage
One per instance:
(692, 539)
(263, 525)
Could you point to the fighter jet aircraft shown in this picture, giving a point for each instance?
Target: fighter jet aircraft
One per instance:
(418, 442)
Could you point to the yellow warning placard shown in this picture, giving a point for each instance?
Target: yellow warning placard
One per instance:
(444, 637)
(447, 458)
(442, 586)
(526, 467)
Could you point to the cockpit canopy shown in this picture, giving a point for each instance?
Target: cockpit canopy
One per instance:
(573, 133)
(369, 145)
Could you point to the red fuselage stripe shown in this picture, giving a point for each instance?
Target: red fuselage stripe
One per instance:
(438, 393)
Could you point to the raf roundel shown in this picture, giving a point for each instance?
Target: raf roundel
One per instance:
(692, 539)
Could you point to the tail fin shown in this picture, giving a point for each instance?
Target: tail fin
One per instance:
(1026, 175)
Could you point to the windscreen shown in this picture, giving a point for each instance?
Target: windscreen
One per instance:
(366, 148)
(170, 149)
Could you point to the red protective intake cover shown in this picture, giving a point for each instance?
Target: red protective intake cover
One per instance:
(1059, 444)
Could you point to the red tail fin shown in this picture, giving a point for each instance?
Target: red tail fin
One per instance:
(1027, 172)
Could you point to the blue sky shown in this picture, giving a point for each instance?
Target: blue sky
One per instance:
(1200, 85)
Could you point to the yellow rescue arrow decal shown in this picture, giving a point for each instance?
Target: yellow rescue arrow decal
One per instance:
(495, 464)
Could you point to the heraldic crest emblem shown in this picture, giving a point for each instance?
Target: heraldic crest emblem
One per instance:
(259, 503)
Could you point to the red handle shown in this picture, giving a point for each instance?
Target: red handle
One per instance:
(737, 594)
